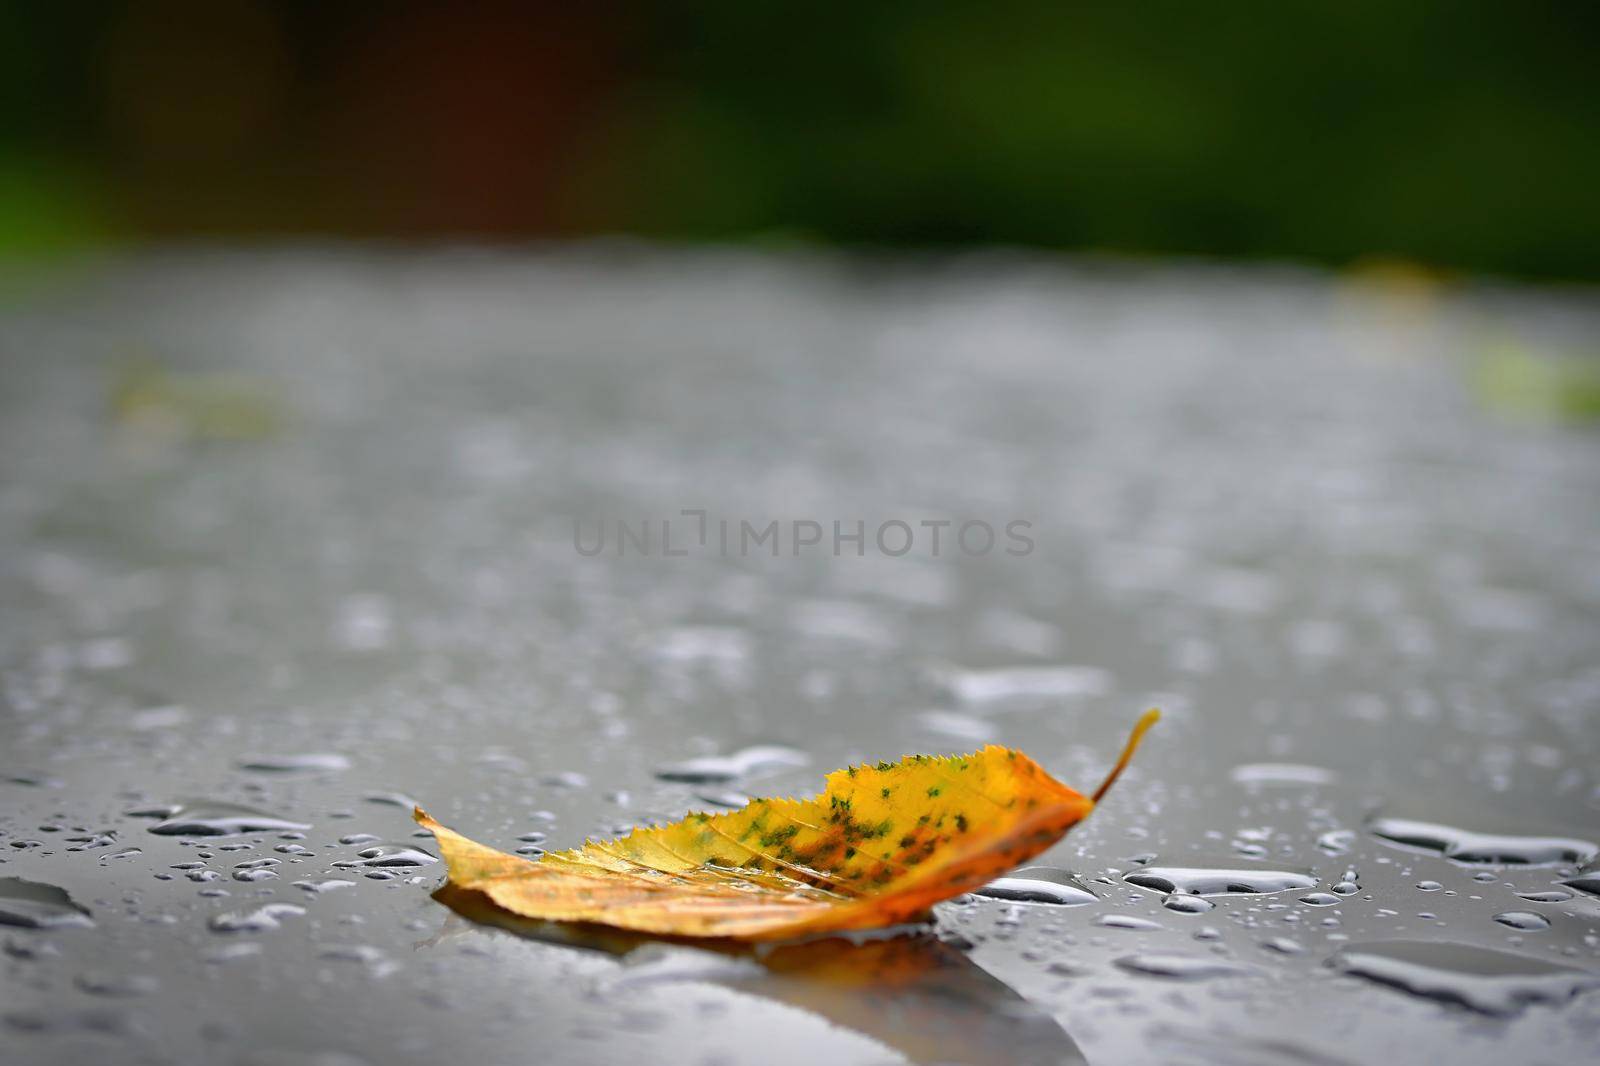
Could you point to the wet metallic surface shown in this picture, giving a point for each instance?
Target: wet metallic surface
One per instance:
(1268, 502)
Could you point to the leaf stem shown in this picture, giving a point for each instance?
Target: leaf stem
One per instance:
(1146, 720)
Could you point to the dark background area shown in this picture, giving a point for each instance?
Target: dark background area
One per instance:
(1456, 135)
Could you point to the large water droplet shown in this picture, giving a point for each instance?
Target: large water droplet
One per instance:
(291, 763)
(1028, 684)
(1554, 895)
(1212, 881)
(196, 818)
(1181, 967)
(723, 798)
(1125, 921)
(1039, 884)
(259, 920)
(389, 855)
(1480, 979)
(1588, 880)
(35, 905)
(1282, 774)
(722, 769)
(1466, 846)
(100, 983)
(1527, 921)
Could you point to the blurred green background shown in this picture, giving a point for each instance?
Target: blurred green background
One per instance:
(1456, 135)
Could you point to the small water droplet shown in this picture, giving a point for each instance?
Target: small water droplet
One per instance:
(1187, 904)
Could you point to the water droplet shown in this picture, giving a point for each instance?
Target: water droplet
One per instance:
(1465, 846)
(722, 769)
(653, 963)
(723, 798)
(1028, 684)
(1588, 880)
(35, 905)
(372, 958)
(1527, 921)
(1039, 884)
(292, 763)
(255, 870)
(207, 818)
(263, 918)
(1480, 979)
(1212, 881)
(110, 984)
(389, 855)
(1336, 841)
(1125, 921)
(1282, 774)
(231, 952)
(326, 884)
(1554, 895)
(392, 799)
(1319, 899)
(1284, 946)
(1187, 904)
(1181, 967)
(959, 726)
(1429, 886)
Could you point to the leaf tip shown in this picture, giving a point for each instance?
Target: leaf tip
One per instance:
(1140, 728)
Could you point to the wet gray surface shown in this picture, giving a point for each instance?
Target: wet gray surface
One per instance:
(1266, 501)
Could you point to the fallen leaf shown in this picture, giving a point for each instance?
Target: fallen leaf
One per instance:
(879, 846)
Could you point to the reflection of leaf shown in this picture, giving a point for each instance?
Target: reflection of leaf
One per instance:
(196, 406)
(918, 995)
(879, 846)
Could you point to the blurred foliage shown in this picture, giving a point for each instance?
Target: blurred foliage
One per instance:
(1525, 384)
(1460, 134)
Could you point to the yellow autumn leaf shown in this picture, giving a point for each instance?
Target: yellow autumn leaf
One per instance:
(879, 846)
